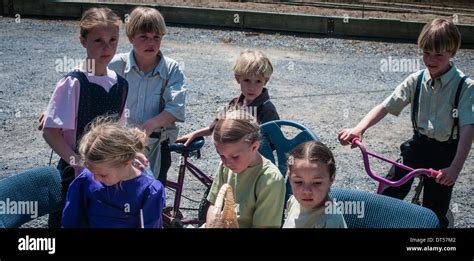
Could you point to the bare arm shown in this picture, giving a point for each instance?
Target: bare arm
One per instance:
(188, 138)
(162, 119)
(55, 140)
(373, 117)
(449, 175)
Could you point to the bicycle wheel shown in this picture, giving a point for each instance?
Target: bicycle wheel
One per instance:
(203, 207)
(175, 222)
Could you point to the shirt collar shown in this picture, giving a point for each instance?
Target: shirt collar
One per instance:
(444, 79)
(159, 69)
(261, 99)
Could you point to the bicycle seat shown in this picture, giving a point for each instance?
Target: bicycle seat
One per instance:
(196, 144)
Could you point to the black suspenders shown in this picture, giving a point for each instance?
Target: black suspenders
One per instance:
(416, 99)
(454, 112)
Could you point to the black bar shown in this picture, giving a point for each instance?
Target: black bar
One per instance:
(281, 242)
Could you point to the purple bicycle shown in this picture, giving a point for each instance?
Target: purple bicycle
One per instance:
(172, 215)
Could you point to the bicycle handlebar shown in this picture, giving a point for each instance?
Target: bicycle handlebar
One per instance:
(412, 172)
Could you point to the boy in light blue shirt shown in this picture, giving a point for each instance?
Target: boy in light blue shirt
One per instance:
(157, 94)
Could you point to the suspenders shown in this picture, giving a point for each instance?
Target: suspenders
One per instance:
(416, 100)
(454, 112)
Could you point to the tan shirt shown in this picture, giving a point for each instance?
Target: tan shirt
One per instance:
(434, 118)
(259, 194)
(300, 217)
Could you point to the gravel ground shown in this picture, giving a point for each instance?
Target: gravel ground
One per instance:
(326, 84)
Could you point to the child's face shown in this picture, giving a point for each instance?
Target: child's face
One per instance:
(251, 86)
(107, 173)
(146, 45)
(237, 156)
(310, 182)
(101, 43)
(437, 63)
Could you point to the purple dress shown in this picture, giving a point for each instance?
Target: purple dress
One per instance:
(91, 204)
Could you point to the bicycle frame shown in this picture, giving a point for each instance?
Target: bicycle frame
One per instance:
(178, 187)
(383, 182)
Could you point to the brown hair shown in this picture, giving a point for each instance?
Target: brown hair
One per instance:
(145, 20)
(440, 35)
(253, 62)
(95, 16)
(235, 126)
(108, 141)
(313, 151)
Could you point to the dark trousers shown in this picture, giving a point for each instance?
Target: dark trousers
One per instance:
(165, 163)
(421, 152)
(67, 176)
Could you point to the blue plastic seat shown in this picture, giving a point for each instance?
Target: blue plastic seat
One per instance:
(196, 144)
(273, 138)
(38, 186)
(380, 211)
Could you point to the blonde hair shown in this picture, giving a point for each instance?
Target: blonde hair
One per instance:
(145, 20)
(313, 151)
(235, 126)
(95, 16)
(440, 35)
(253, 62)
(108, 141)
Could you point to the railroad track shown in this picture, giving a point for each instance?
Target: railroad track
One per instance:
(384, 7)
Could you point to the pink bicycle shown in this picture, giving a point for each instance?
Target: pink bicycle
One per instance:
(384, 182)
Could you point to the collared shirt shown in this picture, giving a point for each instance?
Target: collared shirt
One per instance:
(143, 100)
(434, 117)
(265, 109)
(259, 193)
(301, 217)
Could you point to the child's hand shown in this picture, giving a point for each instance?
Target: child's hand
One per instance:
(41, 121)
(141, 162)
(186, 139)
(345, 136)
(448, 176)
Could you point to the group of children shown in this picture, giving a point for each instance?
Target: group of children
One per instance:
(101, 123)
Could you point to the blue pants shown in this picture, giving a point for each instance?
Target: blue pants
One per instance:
(67, 176)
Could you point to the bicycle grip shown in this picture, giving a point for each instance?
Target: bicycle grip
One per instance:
(353, 142)
(434, 173)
